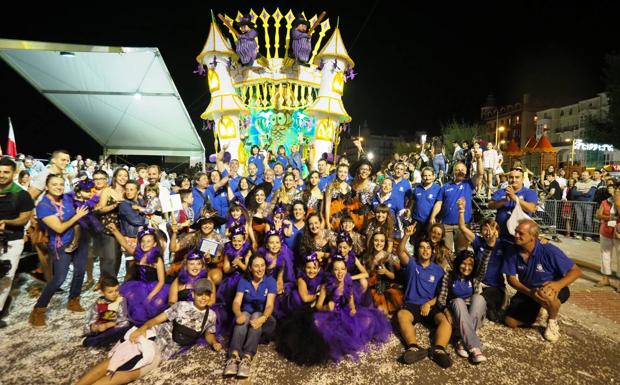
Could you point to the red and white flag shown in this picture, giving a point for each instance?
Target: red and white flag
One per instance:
(11, 146)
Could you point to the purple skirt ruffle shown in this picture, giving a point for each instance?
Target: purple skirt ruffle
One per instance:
(348, 335)
(139, 308)
(227, 289)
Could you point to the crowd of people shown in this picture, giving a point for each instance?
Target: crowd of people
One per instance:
(324, 264)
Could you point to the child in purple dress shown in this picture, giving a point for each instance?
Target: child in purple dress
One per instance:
(237, 254)
(355, 267)
(147, 293)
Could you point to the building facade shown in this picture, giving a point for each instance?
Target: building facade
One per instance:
(566, 126)
(518, 119)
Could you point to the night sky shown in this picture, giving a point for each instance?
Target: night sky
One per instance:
(420, 64)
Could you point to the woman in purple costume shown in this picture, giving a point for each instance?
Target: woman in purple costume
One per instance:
(147, 292)
(345, 327)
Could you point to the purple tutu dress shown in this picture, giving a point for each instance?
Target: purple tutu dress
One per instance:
(347, 334)
(228, 287)
(136, 292)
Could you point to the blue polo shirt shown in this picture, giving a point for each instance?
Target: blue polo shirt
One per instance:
(218, 200)
(325, 180)
(46, 208)
(494, 276)
(547, 263)
(461, 288)
(401, 189)
(422, 283)
(291, 241)
(277, 182)
(392, 202)
(503, 213)
(424, 201)
(258, 161)
(199, 199)
(450, 193)
(233, 181)
(283, 160)
(254, 300)
(255, 180)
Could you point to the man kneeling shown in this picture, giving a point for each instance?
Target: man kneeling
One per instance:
(423, 278)
(544, 273)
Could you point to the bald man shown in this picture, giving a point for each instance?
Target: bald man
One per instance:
(544, 273)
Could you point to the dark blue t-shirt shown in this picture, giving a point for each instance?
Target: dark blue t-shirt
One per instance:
(218, 200)
(46, 208)
(494, 276)
(254, 300)
(424, 201)
(547, 263)
(422, 283)
(462, 288)
(450, 193)
(503, 213)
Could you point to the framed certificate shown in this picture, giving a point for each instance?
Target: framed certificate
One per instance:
(209, 247)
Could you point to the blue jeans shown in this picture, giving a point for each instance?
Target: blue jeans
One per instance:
(439, 163)
(245, 338)
(469, 319)
(60, 268)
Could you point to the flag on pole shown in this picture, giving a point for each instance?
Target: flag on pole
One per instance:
(11, 146)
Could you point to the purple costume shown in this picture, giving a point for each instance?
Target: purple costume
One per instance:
(346, 334)
(136, 291)
(294, 301)
(301, 45)
(246, 47)
(228, 287)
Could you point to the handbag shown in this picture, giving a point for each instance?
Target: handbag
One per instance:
(517, 215)
(186, 336)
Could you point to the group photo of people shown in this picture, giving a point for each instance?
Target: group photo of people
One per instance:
(325, 266)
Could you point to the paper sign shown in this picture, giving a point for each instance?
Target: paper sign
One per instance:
(611, 223)
(170, 202)
(209, 247)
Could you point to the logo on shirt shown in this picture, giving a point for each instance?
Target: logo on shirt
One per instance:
(266, 292)
(449, 189)
(401, 189)
(430, 196)
(539, 268)
(431, 279)
(469, 283)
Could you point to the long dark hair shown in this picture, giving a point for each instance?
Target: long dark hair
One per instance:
(306, 241)
(305, 195)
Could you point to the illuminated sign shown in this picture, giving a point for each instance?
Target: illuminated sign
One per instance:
(579, 144)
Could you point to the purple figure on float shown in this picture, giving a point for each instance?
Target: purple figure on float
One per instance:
(246, 47)
(301, 44)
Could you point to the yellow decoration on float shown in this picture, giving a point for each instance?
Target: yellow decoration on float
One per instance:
(325, 130)
(226, 127)
(338, 83)
(214, 80)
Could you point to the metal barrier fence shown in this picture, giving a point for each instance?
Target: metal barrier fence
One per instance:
(568, 217)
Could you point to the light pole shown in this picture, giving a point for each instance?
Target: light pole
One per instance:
(572, 150)
(497, 131)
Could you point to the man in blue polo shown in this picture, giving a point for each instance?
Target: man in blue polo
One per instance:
(325, 177)
(423, 278)
(199, 192)
(253, 176)
(504, 201)
(402, 187)
(424, 195)
(460, 187)
(544, 273)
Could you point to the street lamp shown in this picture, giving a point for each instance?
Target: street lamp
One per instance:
(572, 150)
(497, 131)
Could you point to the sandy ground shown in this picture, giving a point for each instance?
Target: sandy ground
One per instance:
(587, 353)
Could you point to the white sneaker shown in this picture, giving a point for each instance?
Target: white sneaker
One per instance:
(477, 356)
(460, 349)
(542, 317)
(552, 332)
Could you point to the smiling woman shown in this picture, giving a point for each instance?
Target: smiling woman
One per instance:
(56, 212)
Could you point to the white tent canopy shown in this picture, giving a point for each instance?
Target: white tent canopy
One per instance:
(123, 97)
